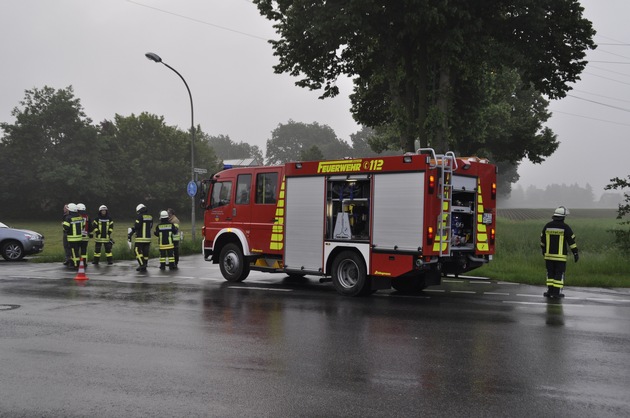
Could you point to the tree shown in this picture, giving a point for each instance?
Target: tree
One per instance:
(408, 57)
(368, 143)
(622, 233)
(507, 173)
(502, 119)
(311, 154)
(152, 161)
(289, 140)
(226, 149)
(50, 155)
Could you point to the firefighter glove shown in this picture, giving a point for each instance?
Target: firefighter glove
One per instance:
(576, 257)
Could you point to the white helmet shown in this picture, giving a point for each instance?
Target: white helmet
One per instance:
(102, 207)
(561, 211)
(80, 206)
(163, 214)
(72, 207)
(140, 207)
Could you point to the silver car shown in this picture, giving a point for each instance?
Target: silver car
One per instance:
(16, 243)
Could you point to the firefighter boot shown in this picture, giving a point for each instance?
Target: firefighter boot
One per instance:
(109, 261)
(549, 292)
(172, 266)
(96, 260)
(141, 267)
(162, 266)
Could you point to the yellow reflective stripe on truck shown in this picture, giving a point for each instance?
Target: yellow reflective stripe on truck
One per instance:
(482, 235)
(277, 231)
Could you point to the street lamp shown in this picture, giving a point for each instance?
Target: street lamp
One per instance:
(156, 58)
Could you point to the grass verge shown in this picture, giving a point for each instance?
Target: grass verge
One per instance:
(517, 257)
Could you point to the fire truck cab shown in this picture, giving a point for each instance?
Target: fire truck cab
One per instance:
(364, 224)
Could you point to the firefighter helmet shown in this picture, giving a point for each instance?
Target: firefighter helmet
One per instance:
(140, 207)
(72, 207)
(80, 206)
(163, 214)
(561, 211)
(102, 207)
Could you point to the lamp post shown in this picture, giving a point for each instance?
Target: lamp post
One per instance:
(156, 58)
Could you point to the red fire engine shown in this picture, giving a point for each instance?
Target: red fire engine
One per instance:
(364, 224)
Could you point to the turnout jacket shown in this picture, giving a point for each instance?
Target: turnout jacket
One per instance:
(165, 231)
(142, 228)
(556, 236)
(103, 226)
(73, 226)
(175, 221)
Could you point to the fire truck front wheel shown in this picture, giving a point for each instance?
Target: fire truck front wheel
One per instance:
(233, 264)
(349, 274)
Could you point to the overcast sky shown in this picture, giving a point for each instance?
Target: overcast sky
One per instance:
(220, 48)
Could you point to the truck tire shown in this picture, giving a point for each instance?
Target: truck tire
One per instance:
(349, 274)
(232, 262)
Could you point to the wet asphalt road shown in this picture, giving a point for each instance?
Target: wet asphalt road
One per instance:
(187, 343)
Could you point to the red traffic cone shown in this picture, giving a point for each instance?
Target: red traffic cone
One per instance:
(81, 273)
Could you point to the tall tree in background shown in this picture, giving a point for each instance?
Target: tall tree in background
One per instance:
(226, 149)
(50, 155)
(152, 161)
(622, 232)
(408, 56)
(288, 142)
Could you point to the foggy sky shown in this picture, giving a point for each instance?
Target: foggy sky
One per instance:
(220, 48)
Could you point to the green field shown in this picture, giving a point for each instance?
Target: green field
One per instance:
(517, 257)
(53, 248)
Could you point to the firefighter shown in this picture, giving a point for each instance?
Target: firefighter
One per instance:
(172, 218)
(86, 233)
(73, 226)
(142, 230)
(103, 226)
(556, 236)
(165, 231)
(66, 248)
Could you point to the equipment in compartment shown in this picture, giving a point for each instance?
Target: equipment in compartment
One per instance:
(463, 213)
(461, 227)
(348, 203)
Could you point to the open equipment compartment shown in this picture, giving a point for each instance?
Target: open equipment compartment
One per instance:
(463, 212)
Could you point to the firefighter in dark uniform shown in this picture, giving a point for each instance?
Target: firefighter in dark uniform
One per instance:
(73, 226)
(555, 238)
(142, 229)
(87, 231)
(165, 231)
(103, 226)
(66, 248)
(172, 218)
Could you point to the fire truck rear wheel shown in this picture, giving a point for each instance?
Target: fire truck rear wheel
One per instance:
(232, 262)
(349, 274)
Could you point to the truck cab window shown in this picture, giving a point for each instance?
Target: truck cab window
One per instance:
(221, 194)
(266, 188)
(243, 186)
